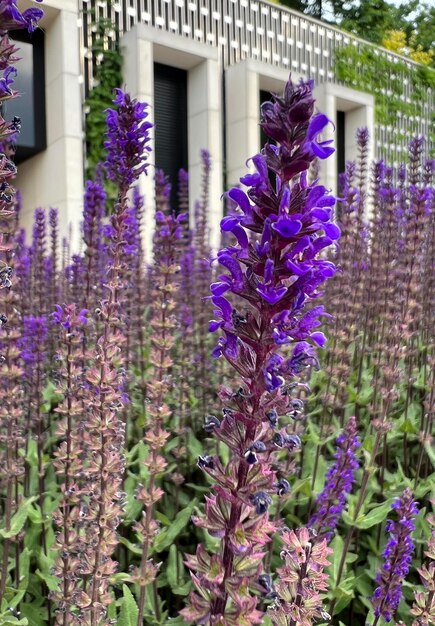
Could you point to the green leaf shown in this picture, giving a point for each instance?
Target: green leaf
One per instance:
(52, 582)
(179, 621)
(19, 519)
(408, 426)
(364, 585)
(430, 453)
(167, 536)
(162, 518)
(173, 567)
(24, 580)
(9, 620)
(37, 615)
(337, 545)
(51, 396)
(199, 488)
(302, 485)
(179, 585)
(364, 396)
(375, 516)
(129, 610)
(32, 453)
(344, 594)
(131, 546)
(194, 446)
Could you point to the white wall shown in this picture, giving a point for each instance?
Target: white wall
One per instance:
(244, 81)
(359, 109)
(55, 176)
(243, 84)
(142, 46)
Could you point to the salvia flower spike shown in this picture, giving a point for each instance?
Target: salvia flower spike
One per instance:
(127, 140)
(301, 581)
(268, 336)
(423, 608)
(397, 558)
(340, 479)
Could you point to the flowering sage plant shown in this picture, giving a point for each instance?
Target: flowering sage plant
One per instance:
(268, 335)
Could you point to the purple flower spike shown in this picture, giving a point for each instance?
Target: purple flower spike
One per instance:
(35, 332)
(340, 479)
(127, 139)
(271, 275)
(398, 557)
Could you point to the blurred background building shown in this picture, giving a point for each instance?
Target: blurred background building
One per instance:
(204, 66)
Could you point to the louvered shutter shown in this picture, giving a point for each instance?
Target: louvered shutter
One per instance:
(170, 114)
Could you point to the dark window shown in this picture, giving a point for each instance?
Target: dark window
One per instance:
(340, 142)
(30, 84)
(265, 96)
(170, 114)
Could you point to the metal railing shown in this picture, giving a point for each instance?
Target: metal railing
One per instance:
(260, 30)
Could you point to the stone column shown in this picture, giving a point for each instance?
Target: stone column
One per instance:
(326, 103)
(205, 131)
(138, 72)
(54, 178)
(243, 114)
(143, 46)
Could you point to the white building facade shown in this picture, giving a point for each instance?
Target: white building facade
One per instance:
(228, 53)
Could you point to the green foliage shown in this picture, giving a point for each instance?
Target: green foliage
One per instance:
(367, 69)
(107, 56)
(129, 610)
(18, 520)
(167, 536)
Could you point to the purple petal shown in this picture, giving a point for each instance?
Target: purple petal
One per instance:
(241, 198)
(224, 306)
(286, 227)
(332, 231)
(322, 150)
(241, 236)
(218, 289)
(317, 124)
(321, 214)
(319, 338)
(271, 295)
(229, 222)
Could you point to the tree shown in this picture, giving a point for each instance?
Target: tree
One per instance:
(407, 29)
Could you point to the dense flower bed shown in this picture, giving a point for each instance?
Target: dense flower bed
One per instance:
(180, 442)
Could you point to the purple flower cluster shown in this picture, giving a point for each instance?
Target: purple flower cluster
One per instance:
(11, 18)
(293, 223)
(93, 211)
(340, 479)
(127, 137)
(398, 557)
(35, 331)
(271, 275)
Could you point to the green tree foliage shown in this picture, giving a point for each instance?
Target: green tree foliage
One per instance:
(107, 77)
(372, 19)
(425, 28)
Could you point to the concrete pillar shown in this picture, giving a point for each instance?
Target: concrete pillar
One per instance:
(142, 47)
(54, 178)
(326, 103)
(138, 72)
(205, 131)
(358, 108)
(243, 114)
(359, 117)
